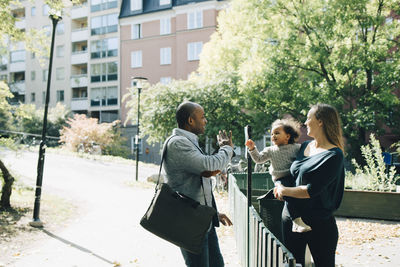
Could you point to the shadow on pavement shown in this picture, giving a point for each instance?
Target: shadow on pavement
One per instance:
(75, 246)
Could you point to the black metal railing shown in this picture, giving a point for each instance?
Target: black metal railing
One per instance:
(264, 249)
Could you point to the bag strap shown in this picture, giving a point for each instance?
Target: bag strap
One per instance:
(162, 160)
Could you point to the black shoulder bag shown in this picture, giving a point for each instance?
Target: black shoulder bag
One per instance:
(177, 218)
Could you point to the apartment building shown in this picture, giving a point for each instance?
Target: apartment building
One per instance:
(161, 39)
(85, 72)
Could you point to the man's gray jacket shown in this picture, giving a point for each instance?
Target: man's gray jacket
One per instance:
(184, 162)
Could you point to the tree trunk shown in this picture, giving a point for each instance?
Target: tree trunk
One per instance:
(7, 187)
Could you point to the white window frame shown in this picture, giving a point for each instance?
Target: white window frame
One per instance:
(136, 31)
(45, 10)
(195, 19)
(60, 74)
(60, 51)
(165, 80)
(165, 2)
(165, 56)
(193, 50)
(136, 59)
(136, 5)
(165, 26)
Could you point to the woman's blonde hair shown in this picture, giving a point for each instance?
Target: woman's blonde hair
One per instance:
(330, 123)
(290, 127)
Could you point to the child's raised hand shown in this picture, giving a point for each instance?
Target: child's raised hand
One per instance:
(250, 144)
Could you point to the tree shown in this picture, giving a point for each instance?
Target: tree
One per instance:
(35, 41)
(219, 98)
(29, 119)
(5, 118)
(290, 54)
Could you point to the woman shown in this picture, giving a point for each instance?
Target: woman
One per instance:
(319, 173)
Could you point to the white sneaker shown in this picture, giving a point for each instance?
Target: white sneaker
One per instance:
(299, 226)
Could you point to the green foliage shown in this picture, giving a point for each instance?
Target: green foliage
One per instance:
(289, 55)
(30, 120)
(372, 176)
(219, 97)
(5, 107)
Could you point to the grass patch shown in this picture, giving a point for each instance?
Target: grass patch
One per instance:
(15, 231)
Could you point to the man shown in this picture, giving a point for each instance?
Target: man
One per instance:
(188, 170)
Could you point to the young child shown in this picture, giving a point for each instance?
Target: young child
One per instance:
(281, 154)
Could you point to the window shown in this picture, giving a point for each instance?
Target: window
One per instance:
(60, 74)
(33, 97)
(165, 26)
(104, 72)
(3, 63)
(79, 93)
(104, 48)
(165, 2)
(3, 77)
(165, 80)
(46, 10)
(195, 19)
(60, 50)
(165, 55)
(33, 75)
(107, 95)
(45, 73)
(136, 59)
(136, 5)
(136, 31)
(47, 30)
(17, 56)
(33, 11)
(60, 95)
(60, 28)
(98, 5)
(194, 50)
(43, 97)
(104, 24)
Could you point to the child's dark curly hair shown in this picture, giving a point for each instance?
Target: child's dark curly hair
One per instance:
(290, 126)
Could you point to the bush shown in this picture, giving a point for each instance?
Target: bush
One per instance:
(373, 176)
(85, 133)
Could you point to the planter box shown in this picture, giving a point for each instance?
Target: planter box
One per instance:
(370, 204)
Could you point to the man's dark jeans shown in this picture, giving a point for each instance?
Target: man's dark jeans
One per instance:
(211, 255)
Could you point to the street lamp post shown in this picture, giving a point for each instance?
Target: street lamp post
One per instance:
(55, 18)
(139, 85)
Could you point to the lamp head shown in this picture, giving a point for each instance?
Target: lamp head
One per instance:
(55, 14)
(139, 82)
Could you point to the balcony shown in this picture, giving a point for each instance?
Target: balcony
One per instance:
(80, 11)
(21, 23)
(17, 66)
(81, 34)
(79, 103)
(79, 80)
(79, 57)
(18, 87)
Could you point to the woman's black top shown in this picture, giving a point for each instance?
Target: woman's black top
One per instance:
(323, 174)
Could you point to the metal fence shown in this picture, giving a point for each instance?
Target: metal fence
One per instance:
(265, 250)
